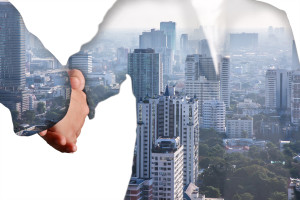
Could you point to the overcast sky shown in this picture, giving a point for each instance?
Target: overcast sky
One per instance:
(147, 14)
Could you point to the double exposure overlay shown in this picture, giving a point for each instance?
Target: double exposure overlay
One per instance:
(218, 105)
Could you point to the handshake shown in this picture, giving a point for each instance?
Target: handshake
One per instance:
(63, 136)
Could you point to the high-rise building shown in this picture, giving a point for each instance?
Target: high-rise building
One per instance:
(295, 57)
(168, 116)
(155, 39)
(295, 98)
(12, 48)
(169, 28)
(277, 89)
(82, 61)
(167, 169)
(224, 80)
(146, 72)
(204, 49)
(184, 42)
(213, 115)
(201, 79)
(12, 59)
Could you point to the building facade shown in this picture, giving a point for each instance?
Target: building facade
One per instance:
(239, 127)
(167, 169)
(168, 116)
(145, 69)
(213, 115)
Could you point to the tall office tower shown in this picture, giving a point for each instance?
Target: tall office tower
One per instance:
(169, 28)
(12, 48)
(213, 115)
(168, 116)
(12, 59)
(167, 169)
(295, 57)
(295, 100)
(155, 39)
(201, 80)
(239, 41)
(204, 49)
(82, 61)
(277, 89)
(184, 42)
(224, 80)
(200, 65)
(146, 72)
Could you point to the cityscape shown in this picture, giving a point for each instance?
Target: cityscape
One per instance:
(208, 127)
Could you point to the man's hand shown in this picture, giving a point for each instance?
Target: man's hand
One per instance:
(63, 136)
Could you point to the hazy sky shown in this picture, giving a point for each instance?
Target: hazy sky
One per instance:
(147, 14)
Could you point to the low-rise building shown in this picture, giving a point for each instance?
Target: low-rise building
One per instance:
(239, 126)
(139, 189)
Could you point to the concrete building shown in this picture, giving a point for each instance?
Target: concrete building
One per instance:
(169, 28)
(139, 189)
(199, 81)
(295, 98)
(145, 69)
(167, 169)
(184, 43)
(213, 115)
(277, 89)
(155, 39)
(82, 61)
(239, 127)
(224, 80)
(12, 59)
(168, 116)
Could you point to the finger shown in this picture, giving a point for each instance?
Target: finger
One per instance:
(76, 79)
(54, 138)
(43, 133)
(70, 148)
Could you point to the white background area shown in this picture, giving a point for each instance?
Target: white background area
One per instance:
(101, 168)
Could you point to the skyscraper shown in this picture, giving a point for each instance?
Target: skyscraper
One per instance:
(224, 80)
(168, 116)
(201, 79)
(204, 49)
(184, 42)
(146, 72)
(295, 57)
(12, 48)
(157, 40)
(169, 28)
(277, 89)
(12, 59)
(295, 100)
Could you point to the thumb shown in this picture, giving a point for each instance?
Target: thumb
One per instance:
(76, 79)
